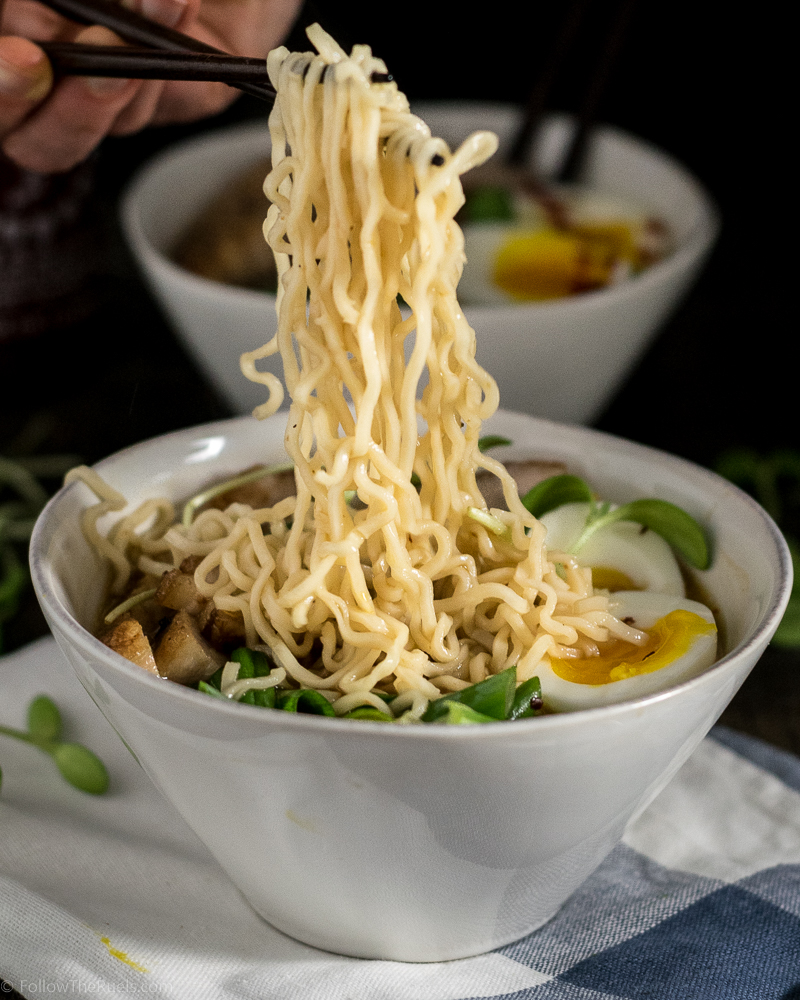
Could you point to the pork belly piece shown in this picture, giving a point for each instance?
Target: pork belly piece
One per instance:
(127, 638)
(183, 655)
(223, 629)
(178, 591)
(527, 475)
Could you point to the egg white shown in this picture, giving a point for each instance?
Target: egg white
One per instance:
(642, 555)
(642, 610)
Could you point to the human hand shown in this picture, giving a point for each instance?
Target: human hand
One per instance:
(49, 128)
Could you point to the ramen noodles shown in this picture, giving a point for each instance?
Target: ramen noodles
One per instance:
(383, 580)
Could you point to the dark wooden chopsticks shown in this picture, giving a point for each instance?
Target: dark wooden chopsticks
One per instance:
(71, 59)
(618, 16)
(161, 53)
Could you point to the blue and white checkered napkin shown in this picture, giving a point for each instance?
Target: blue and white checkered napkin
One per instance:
(116, 896)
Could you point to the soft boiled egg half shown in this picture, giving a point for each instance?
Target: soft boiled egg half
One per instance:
(681, 643)
(623, 555)
(647, 592)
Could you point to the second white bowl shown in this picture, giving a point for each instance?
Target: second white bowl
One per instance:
(563, 360)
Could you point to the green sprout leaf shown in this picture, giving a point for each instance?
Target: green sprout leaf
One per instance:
(77, 764)
(492, 441)
(674, 525)
(492, 203)
(81, 768)
(555, 492)
(44, 719)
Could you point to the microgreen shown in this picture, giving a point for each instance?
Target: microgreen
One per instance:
(674, 525)
(491, 203)
(77, 764)
(492, 441)
(555, 492)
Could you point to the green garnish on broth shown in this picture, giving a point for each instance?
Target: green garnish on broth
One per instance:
(555, 492)
(674, 525)
(492, 441)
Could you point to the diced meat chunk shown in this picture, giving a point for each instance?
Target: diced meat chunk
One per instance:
(183, 655)
(178, 591)
(223, 629)
(526, 474)
(127, 638)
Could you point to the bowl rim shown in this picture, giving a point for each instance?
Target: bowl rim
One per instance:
(80, 637)
(698, 241)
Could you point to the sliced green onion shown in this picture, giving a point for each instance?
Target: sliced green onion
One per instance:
(368, 712)
(254, 663)
(492, 697)
(490, 522)
(457, 714)
(131, 602)
(527, 700)
(207, 688)
(306, 701)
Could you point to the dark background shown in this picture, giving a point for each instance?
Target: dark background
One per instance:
(705, 83)
(708, 88)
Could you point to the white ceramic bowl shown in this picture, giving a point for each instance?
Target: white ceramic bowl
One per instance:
(411, 843)
(563, 360)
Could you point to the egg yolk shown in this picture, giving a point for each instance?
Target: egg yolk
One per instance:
(550, 264)
(670, 638)
(608, 578)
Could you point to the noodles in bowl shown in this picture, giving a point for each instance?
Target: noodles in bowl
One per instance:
(419, 590)
(384, 578)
